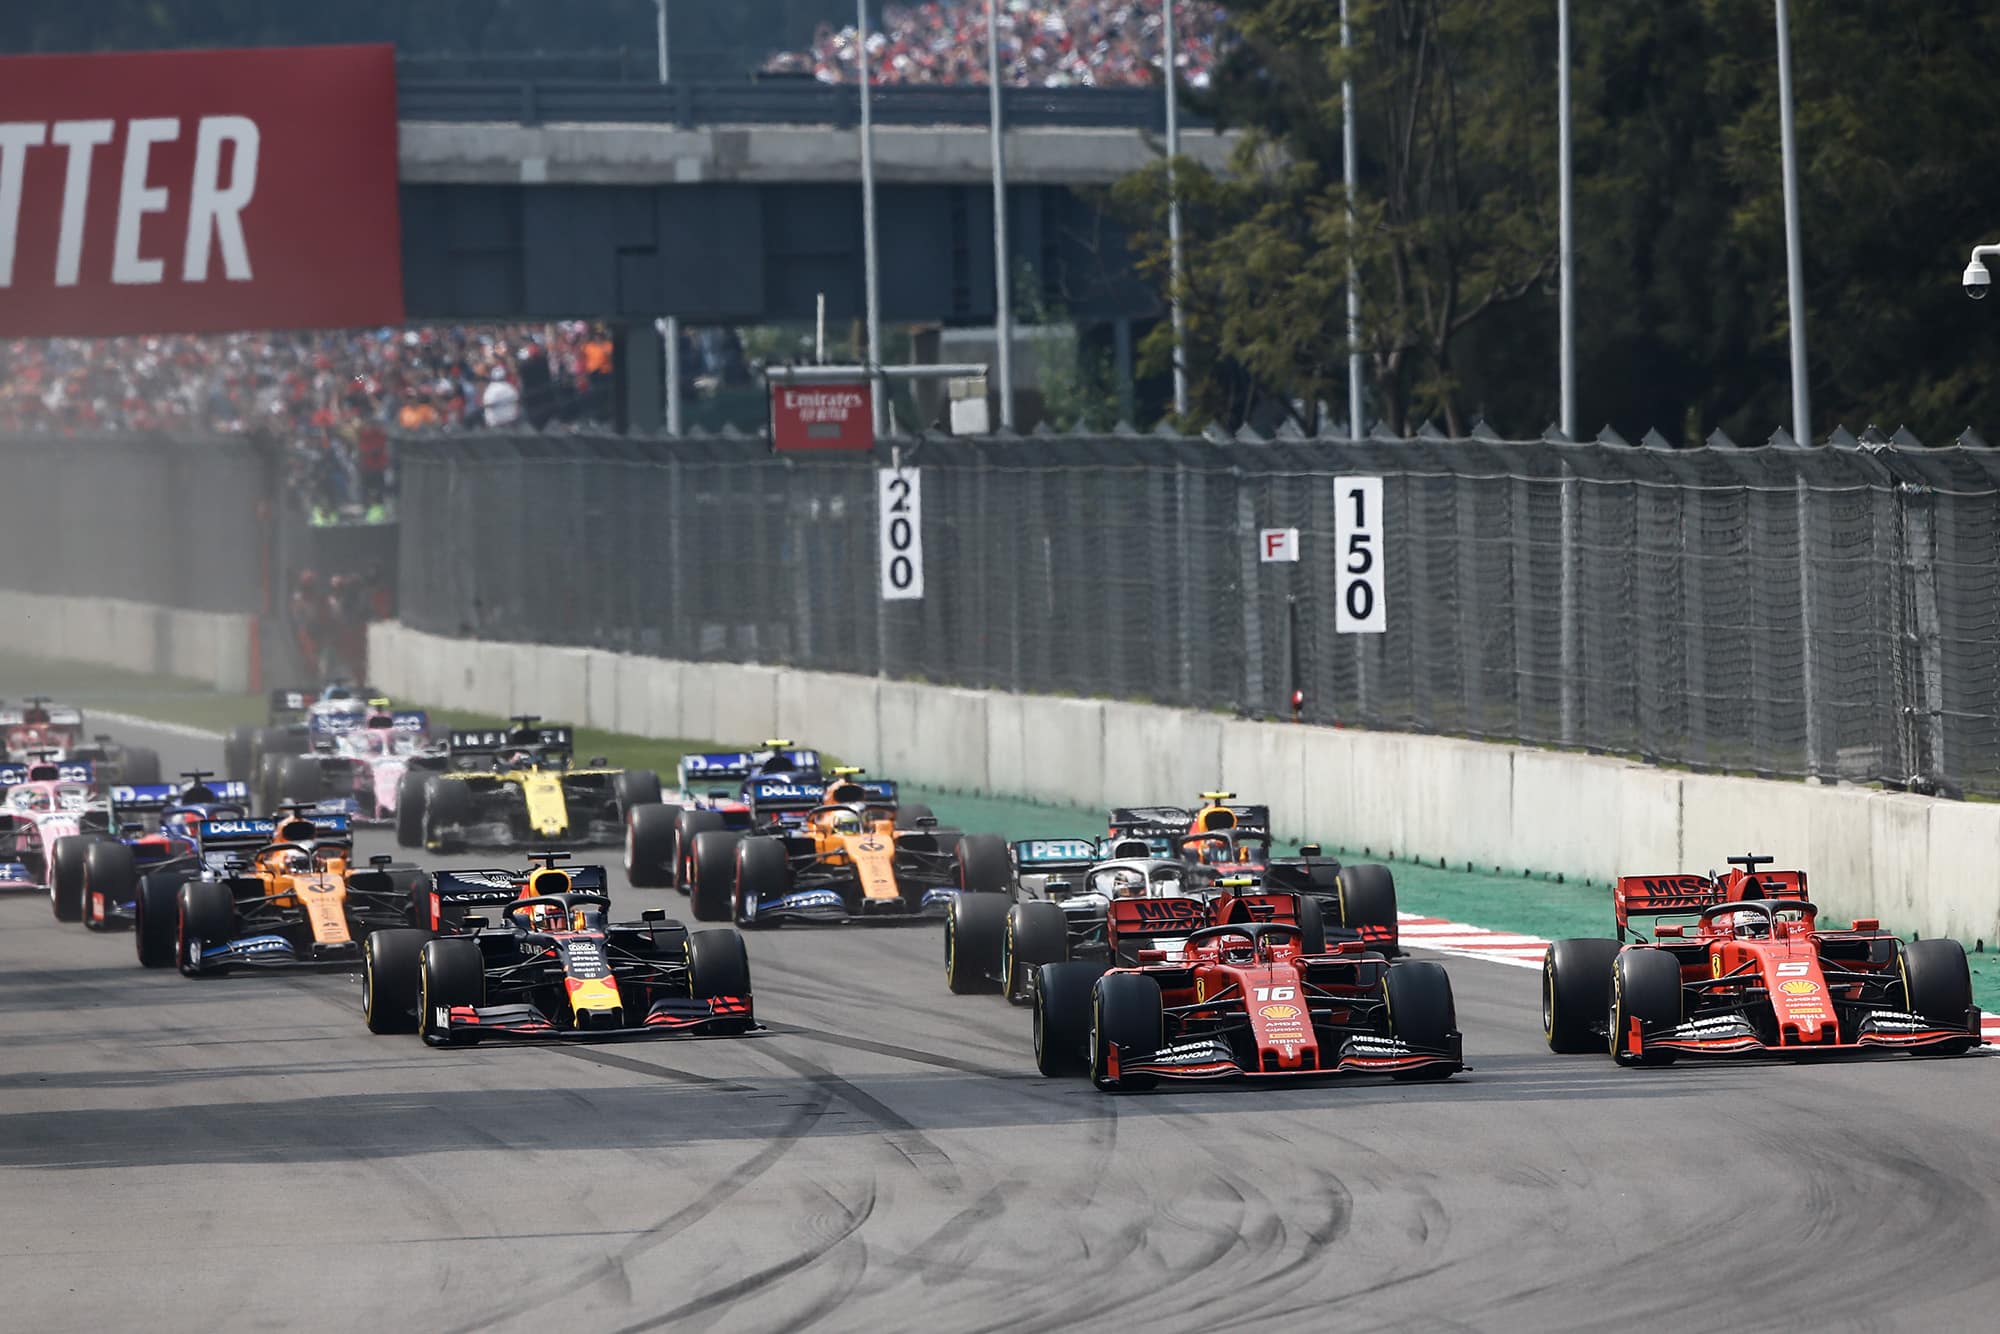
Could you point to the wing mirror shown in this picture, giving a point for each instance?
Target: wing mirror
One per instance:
(1669, 932)
(474, 922)
(1054, 885)
(381, 861)
(926, 822)
(1867, 924)
(653, 915)
(597, 762)
(1310, 850)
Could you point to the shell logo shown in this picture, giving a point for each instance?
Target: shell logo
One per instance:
(1280, 1012)
(1798, 988)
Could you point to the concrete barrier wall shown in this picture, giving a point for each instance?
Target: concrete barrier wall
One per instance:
(1918, 863)
(214, 647)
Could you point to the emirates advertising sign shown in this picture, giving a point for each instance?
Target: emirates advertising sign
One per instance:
(822, 416)
(199, 191)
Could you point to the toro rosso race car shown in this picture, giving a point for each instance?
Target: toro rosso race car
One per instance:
(714, 793)
(291, 898)
(838, 852)
(512, 786)
(1228, 838)
(155, 835)
(1238, 994)
(555, 967)
(1753, 974)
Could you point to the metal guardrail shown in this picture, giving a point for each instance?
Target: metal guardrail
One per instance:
(776, 102)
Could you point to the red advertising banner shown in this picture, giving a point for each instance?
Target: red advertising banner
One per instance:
(199, 191)
(822, 416)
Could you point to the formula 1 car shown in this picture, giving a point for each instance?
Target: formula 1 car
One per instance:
(50, 811)
(513, 786)
(838, 852)
(155, 826)
(1754, 974)
(296, 900)
(39, 724)
(357, 762)
(714, 793)
(1239, 996)
(261, 752)
(991, 943)
(556, 968)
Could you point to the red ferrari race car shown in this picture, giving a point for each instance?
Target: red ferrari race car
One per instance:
(1753, 974)
(1238, 996)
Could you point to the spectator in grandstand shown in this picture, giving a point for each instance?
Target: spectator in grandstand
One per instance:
(502, 401)
(1043, 43)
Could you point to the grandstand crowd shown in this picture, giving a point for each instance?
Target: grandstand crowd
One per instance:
(1043, 44)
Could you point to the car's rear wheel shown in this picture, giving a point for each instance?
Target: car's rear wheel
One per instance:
(110, 881)
(142, 765)
(156, 919)
(1421, 1013)
(391, 968)
(1576, 993)
(300, 780)
(910, 812)
(1062, 1017)
(975, 930)
(447, 810)
(649, 846)
(1126, 1018)
(714, 858)
(1037, 933)
(66, 863)
(983, 864)
(634, 788)
(238, 753)
(689, 823)
(762, 872)
(718, 965)
(206, 916)
(450, 973)
(1368, 899)
(1937, 984)
(410, 793)
(1645, 988)
(264, 786)
(1312, 926)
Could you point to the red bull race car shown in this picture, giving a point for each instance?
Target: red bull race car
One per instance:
(1754, 973)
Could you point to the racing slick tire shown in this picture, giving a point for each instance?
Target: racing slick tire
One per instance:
(1368, 898)
(66, 875)
(391, 967)
(975, 931)
(1937, 984)
(449, 972)
(634, 788)
(1037, 933)
(239, 752)
(649, 845)
(714, 859)
(205, 914)
(910, 812)
(1125, 1012)
(142, 765)
(447, 805)
(1645, 985)
(762, 870)
(680, 869)
(983, 865)
(110, 878)
(1312, 926)
(157, 918)
(1576, 993)
(410, 808)
(718, 965)
(299, 780)
(1062, 1017)
(264, 781)
(1421, 1013)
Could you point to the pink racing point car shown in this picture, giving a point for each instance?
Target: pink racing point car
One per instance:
(357, 769)
(50, 814)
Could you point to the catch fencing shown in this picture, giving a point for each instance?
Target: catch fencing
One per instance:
(1785, 611)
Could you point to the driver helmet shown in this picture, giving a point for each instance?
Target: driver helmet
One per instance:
(586, 919)
(845, 822)
(1752, 925)
(1239, 951)
(295, 861)
(1127, 883)
(546, 916)
(518, 759)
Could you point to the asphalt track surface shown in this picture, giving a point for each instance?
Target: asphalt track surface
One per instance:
(241, 1154)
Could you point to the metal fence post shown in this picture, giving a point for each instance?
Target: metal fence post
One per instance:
(1571, 684)
(1810, 691)
(1247, 594)
(1920, 536)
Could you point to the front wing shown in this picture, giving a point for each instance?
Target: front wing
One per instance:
(1358, 1054)
(269, 952)
(1734, 1035)
(673, 1016)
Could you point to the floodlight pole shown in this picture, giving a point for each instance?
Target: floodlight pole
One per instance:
(1795, 281)
(874, 296)
(1566, 236)
(670, 332)
(1003, 305)
(1350, 172)
(1174, 213)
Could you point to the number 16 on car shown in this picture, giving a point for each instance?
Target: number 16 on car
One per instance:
(1357, 538)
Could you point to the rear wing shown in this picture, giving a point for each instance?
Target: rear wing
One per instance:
(456, 895)
(331, 724)
(292, 701)
(410, 720)
(1054, 856)
(64, 771)
(152, 798)
(215, 835)
(721, 766)
(1162, 822)
(776, 794)
(1657, 895)
(496, 739)
(59, 715)
(1184, 916)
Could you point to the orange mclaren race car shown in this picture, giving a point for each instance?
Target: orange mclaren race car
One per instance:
(836, 852)
(1754, 973)
(1237, 995)
(556, 968)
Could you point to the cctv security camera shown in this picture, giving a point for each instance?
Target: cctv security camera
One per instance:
(1977, 280)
